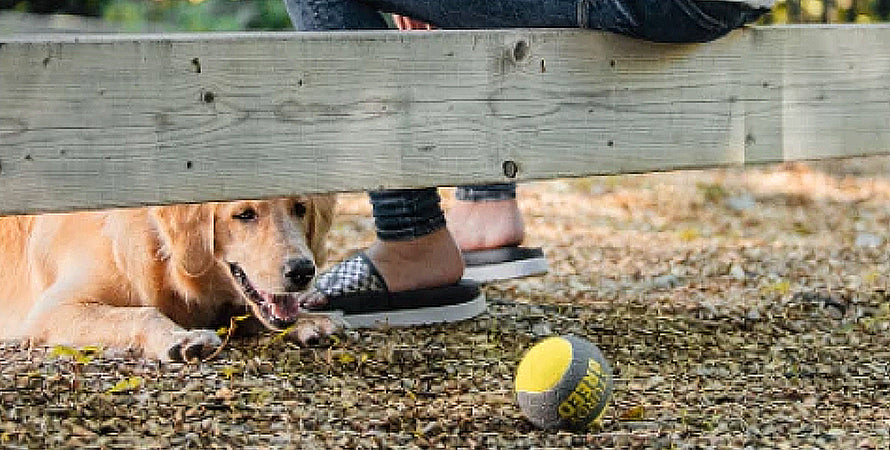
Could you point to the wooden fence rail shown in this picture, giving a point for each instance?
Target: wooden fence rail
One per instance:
(91, 121)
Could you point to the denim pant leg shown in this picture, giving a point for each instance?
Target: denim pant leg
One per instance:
(405, 214)
(655, 20)
(668, 20)
(326, 15)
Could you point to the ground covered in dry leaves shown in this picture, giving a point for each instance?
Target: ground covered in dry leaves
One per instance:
(740, 308)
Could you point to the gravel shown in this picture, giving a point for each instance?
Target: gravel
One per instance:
(760, 322)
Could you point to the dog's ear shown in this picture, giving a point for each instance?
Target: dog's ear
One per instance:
(186, 233)
(319, 217)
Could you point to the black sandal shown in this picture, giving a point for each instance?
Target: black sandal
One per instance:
(354, 290)
(504, 263)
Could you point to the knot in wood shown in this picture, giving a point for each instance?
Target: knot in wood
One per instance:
(521, 51)
(510, 169)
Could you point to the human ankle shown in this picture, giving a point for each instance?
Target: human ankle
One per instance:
(427, 261)
(478, 225)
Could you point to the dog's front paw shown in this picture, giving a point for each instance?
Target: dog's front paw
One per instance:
(311, 329)
(193, 345)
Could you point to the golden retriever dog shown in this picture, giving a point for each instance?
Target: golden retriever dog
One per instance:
(162, 279)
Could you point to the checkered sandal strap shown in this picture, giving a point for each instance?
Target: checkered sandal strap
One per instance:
(355, 274)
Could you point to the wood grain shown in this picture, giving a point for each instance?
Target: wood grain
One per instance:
(93, 121)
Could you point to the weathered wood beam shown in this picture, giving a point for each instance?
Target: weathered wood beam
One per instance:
(127, 120)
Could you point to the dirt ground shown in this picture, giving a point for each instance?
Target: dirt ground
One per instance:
(739, 308)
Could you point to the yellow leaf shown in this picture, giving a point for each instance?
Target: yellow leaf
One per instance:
(222, 331)
(241, 318)
(633, 414)
(91, 350)
(229, 371)
(346, 358)
(283, 334)
(62, 350)
(780, 287)
(127, 384)
(82, 355)
(802, 229)
(689, 234)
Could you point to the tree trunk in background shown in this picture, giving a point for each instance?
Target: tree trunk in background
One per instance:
(882, 9)
(794, 14)
(79, 7)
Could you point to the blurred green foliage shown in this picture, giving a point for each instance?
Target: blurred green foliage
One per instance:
(230, 15)
(169, 15)
(830, 11)
(207, 15)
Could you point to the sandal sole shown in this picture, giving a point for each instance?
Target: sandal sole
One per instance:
(419, 316)
(507, 270)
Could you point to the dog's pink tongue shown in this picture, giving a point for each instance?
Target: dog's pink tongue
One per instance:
(281, 306)
(285, 306)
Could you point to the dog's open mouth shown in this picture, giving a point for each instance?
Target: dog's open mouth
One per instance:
(278, 309)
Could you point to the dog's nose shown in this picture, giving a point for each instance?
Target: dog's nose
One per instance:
(298, 273)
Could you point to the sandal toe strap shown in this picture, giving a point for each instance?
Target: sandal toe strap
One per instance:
(355, 274)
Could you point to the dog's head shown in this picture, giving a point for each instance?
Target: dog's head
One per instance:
(266, 250)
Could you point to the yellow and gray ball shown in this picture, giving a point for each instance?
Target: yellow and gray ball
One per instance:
(563, 382)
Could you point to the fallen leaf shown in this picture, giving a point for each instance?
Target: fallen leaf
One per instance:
(127, 384)
(633, 414)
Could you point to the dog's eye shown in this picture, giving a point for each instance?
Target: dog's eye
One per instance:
(299, 209)
(246, 215)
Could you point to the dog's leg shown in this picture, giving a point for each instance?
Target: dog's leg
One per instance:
(141, 328)
(310, 328)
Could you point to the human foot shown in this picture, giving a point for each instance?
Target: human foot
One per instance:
(428, 261)
(489, 233)
(398, 283)
(486, 224)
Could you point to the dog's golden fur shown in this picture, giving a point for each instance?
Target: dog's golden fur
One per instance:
(159, 279)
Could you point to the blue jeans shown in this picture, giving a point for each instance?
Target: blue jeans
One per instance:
(656, 20)
(411, 213)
